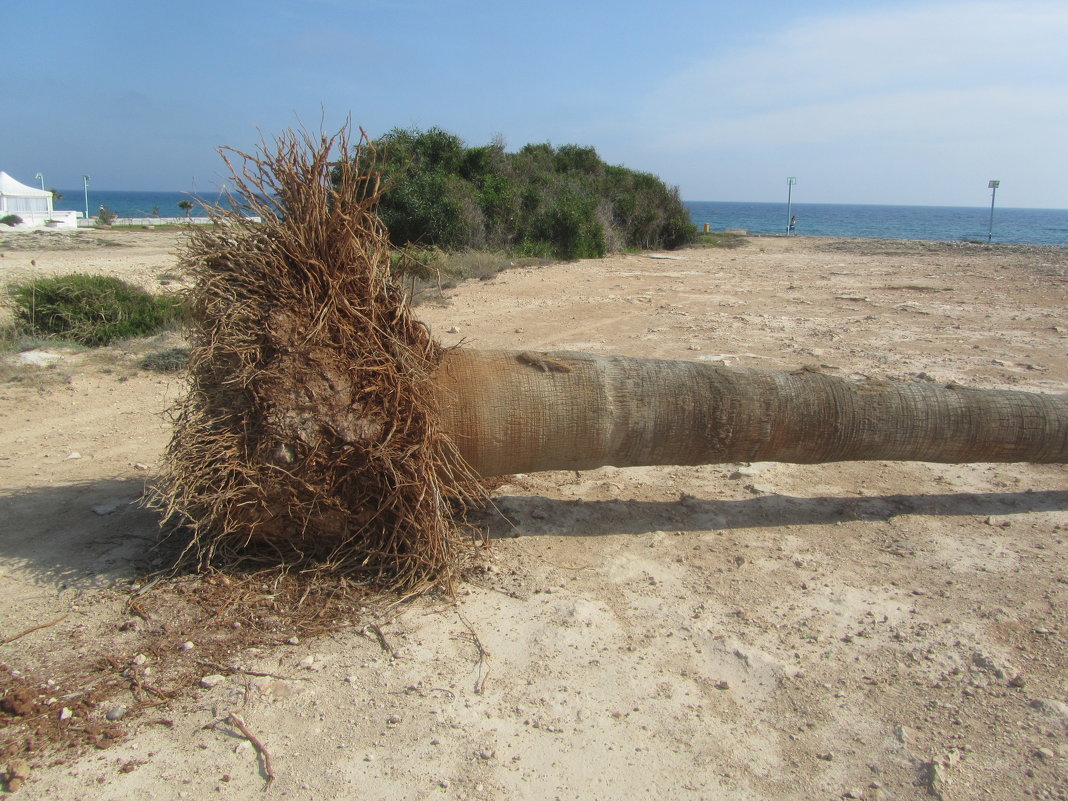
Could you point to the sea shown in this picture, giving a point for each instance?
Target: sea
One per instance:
(932, 223)
(138, 204)
(936, 223)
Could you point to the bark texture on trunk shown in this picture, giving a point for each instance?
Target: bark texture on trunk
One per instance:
(522, 411)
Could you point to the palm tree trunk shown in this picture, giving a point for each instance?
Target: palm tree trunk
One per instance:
(517, 412)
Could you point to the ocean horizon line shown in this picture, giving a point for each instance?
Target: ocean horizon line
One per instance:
(1008, 225)
(783, 203)
(195, 195)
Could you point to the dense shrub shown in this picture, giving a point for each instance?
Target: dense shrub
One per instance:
(426, 208)
(571, 224)
(542, 200)
(11, 219)
(91, 309)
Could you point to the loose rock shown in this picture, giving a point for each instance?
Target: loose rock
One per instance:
(116, 713)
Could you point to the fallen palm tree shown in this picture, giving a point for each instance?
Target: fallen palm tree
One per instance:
(324, 424)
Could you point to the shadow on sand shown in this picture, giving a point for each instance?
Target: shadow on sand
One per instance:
(540, 515)
(97, 533)
(78, 535)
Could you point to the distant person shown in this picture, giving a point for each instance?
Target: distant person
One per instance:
(793, 226)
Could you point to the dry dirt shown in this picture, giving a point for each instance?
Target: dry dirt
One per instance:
(763, 631)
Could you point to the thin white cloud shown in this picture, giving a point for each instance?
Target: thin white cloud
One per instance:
(879, 90)
(851, 65)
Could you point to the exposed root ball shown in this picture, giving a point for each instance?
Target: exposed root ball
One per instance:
(309, 432)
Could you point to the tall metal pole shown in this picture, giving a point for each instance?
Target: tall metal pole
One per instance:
(85, 182)
(993, 187)
(789, 202)
(40, 178)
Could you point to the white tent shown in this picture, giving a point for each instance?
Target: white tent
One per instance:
(32, 206)
(16, 198)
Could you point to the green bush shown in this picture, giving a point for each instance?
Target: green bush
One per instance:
(106, 216)
(572, 158)
(570, 223)
(11, 219)
(541, 201)
(92, 309)
(427, 209)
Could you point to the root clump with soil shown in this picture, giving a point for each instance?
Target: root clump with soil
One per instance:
(308, 436)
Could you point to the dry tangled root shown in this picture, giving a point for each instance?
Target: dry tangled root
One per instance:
(309, 432)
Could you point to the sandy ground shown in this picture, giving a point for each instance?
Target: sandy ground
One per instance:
(763, 631)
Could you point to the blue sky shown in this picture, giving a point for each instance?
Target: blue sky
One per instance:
(865, 101)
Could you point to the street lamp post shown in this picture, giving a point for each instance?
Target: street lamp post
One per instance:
(85, 184)
(40, 178)
(993, 187)
(789, 202)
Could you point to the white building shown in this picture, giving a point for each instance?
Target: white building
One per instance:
(33, 206)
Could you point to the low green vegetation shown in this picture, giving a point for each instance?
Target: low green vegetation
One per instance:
(542, 201)
(719, 240)
(11, 219)
(90, 310)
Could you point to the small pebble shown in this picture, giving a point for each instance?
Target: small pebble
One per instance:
(116, 713)
(140, 659)
(214, 680)
(293, 641)
(65, 714)
(186, 646)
